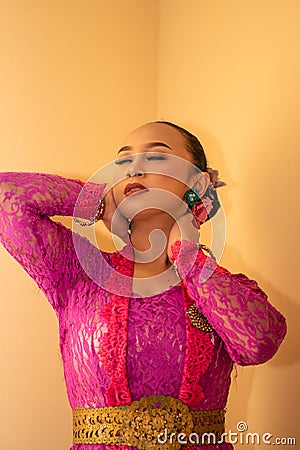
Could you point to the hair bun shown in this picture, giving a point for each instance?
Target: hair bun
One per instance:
(214, 178)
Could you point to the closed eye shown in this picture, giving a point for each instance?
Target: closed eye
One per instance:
(121, 161)
(155, 157)
(152, 157)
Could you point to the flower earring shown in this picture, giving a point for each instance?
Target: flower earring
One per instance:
(200, 208)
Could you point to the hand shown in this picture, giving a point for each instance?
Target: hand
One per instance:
(183, 229)
(114, 221)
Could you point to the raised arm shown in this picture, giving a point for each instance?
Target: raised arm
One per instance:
(235, 306)
(43, 247)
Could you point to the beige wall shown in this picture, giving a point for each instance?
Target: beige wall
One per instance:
(230, 71)
(75, 77)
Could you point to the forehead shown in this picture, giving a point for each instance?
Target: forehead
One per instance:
(156, 133)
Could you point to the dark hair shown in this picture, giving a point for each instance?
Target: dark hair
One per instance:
(194, 146)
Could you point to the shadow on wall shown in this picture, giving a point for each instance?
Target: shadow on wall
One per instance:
(247, 379)
(241, 391)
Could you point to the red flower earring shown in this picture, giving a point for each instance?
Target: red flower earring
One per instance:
(201, 207)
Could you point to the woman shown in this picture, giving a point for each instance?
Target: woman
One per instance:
(141, 364)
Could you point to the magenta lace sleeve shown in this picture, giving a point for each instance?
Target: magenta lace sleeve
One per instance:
(235, 306)
(43, 247)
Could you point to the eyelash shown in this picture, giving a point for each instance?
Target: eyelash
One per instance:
(150, 158)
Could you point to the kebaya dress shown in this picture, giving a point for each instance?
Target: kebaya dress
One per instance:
(120, 348)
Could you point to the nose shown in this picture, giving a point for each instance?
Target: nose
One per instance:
(135, 172)
(135, 169)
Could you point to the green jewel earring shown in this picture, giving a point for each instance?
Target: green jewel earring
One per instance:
(191, 197)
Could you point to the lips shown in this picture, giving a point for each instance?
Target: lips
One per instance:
(132, 188)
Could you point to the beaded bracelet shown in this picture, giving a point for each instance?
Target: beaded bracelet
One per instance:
(98, 216)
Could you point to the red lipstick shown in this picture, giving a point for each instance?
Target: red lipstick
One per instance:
(132, 188)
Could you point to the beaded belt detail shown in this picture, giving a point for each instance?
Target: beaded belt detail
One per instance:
(142, 422)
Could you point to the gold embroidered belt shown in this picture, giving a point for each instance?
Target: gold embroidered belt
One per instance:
(151, 423)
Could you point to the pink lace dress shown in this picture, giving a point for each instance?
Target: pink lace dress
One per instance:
(120, 348)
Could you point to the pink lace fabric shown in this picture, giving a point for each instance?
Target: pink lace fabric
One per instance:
(116, 349)
(236, 307)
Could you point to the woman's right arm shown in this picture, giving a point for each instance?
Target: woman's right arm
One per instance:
(43, 247)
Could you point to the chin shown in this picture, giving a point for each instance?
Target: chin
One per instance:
(148, 204)
(139, 212)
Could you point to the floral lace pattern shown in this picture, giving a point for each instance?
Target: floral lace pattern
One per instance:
(116, 349)
(198, 357)
(238, 310)
(112, 351)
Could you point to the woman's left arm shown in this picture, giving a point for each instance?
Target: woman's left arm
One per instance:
(235, 306)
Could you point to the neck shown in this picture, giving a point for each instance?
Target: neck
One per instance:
(149, 237)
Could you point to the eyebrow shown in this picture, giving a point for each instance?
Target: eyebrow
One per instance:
(148, 146)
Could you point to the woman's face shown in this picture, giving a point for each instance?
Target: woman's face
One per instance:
(152, 164)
